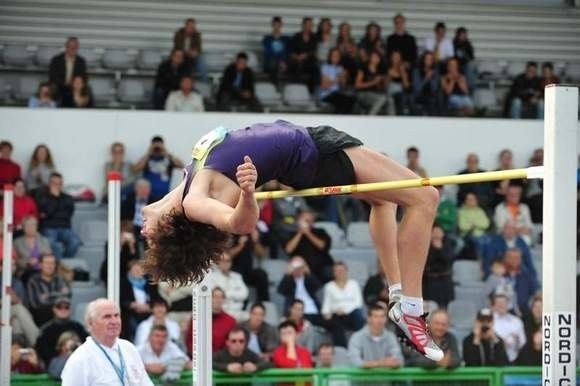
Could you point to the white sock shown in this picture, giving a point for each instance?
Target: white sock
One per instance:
(412, 306)
(395, 288)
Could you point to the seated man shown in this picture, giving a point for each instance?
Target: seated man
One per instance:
(262, 337)
(326, 359)
(275, 47)
(483, 347)
(289, 355)
(237, 86)
(524, 283)
(233, 286)
(167, 78)
(512, 209)
(185, 99)
(161, 356)
(158, 316)
(374, 346)
(525, 93)
(236, 358)
(52, 330)
(498, 244)
(508, 327)
(44, 288)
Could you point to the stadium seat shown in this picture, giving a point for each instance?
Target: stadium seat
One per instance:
(335, 232)
(86, 292)
(79, 312)
(275, 269)
(296, 95)
(573, 72)
(205, 89)
(93, 232)
(4, 90)
(216, 62)
(135, 91)
(366, 255)
(76, 262)
(358, 235)
(358, 270)
(490, 68)
(341, 358)
(515, 68)
(466, 272)
(94, 256)
(149, 59)
(462, 313)
(91, 57)
(485, 98)
(27, 86)
(473, 294)
(45, 54)
(118, 60)
(16, 55)
(268, 95)
(103, 88)
(272, 313)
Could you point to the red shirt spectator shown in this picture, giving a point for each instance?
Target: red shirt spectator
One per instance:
(9, 170)
(24, 205)
(289, 355)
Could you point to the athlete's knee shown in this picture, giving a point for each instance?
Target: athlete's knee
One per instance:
(430, 198)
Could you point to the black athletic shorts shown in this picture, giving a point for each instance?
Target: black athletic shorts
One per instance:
(334, 167)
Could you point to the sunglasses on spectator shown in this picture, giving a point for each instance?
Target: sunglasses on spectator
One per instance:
(237, 341)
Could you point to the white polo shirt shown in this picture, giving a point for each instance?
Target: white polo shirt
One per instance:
(170, 351)
(89, 366)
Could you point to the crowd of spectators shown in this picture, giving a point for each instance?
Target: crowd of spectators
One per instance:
(325, 311)
(387, 74)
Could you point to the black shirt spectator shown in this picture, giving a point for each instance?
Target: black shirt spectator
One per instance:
(242, 251)
(376, 289)
(78, 94)
(65, 66)
(482, 347)
(303, 61)
(275, 46)
(168, 75)
(371, 42)
(236, 358)
(531, 353)
(525, 92)
(483, 190)
(464, 52)
(402, 41)
(237, 86)
(437, 279)
(265, 335)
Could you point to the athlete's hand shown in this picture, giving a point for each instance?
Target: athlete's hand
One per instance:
(247, 175)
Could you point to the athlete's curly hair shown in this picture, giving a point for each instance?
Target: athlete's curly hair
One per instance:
(181, 251)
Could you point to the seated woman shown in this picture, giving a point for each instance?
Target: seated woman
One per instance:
(456, 90)
(29, 247)
(332, 82)
(188, 228)
(426, 86)
(399, 85)
(370, 85)
(79, 94)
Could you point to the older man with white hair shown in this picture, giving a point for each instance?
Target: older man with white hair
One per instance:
(104, 359)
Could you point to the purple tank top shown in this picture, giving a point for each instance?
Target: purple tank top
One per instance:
(280, 150)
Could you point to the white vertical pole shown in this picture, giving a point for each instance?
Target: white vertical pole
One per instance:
(559, 249)
(5, 326)
(114, 228)
(201, 350)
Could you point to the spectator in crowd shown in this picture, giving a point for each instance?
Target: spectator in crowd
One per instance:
(56, 209)
(158, 317)
(21, 320)
(43, 97)
(399, 85)
(524, 282)
(473, 222)
(446, 212)
(23, 206)
(456, 90)
(179, 300)
(185, 99)
(465, 56)
(370, 85)
(483, 190)
(325, 40)
(275, 46)
(531, 353)
(313, 244)
(134, 202)
(343, 300)
(236, 357)
(427, 86)
(439, 327)
(91, 363)
(66, 65)
(327, 359)
(167, 78)
(157, 166)
(371, 41)
(525, 93)
(29, 247)
(78, 94)
(242, 251)
(402, 41)
(188, 40)
(309, 336)
(512, 209)
(348, 51)
(298, 283)
(548, 77)
(290, 355)
(534, 189)
(222, 322)
(24, 360)
(483, 347)
(160, 354)
(262, 337)
(61, 322)
(129, 249)
(10, 171)
(501, 187)
(376, 288)
(233, 286)
(508, 327)
(440, 45)
(39, 168)
(413, 163)
(437, 279)
(333, 80)
(499, 244)
(67, 342)
(533, 317)
(374, 346)
(136, 293)
(303, 62)
(237, 86)
(44, 288)
(498, 284)
(118, 163)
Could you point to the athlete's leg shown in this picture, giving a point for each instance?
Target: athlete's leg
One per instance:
(383, 228)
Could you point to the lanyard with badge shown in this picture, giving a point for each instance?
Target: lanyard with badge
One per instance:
(120, 371)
